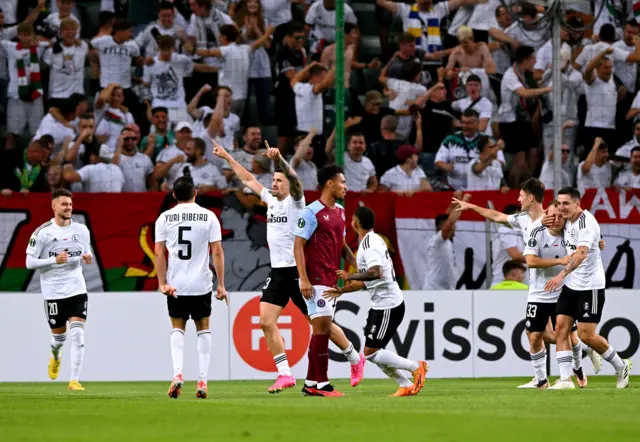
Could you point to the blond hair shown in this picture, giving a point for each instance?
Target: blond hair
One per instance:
(465, 33)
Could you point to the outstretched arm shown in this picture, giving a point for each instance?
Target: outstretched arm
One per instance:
(491, 215)
(243, 174)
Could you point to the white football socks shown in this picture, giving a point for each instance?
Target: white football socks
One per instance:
(177, 350)
(282, 364)
(76, 335)
(352, 355)
(565, 360)
(397, 375)
(611, 356)
(385, 358)
(57, 341)
(204, 353)
(539, 362)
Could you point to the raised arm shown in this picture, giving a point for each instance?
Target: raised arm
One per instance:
(490, 214)
(192, 108)
(304, 145)
(589, 72)
(588, 162)
(388, 5)
(263, 40)
(243, 174)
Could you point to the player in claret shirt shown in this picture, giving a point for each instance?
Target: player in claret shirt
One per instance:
(318, 247)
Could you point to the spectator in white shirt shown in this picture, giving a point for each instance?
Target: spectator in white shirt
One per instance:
(320, 24)
(66, 60)
(206, 176)
(165, 79)
(236, 62)
(359, 171)
(602, 99)
(474, 100)
(308, 95)
(261, 170)
(59, 131)
(440, 266)
(407, 89)
(252, 142)
(96, 177)
(136, 167)
(25, 107)
(406, 178)
(547, 173)
(630, 179)
(116, 53)
(54, 20)
(485, 172)
(113, 117)
(85, 141)
(515, 119)
(302, 162)
(623, 154)
(147, 40)
(595, 172)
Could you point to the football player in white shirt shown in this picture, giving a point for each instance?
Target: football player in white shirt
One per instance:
(284, 202)
(376, 275)
(189, 233)
(58, 248)
(545, 254)
(582, 296)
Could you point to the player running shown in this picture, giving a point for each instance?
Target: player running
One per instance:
(319, 245)
(58, 248)
(188, 232)
(375, 273)
(284, 201)
(528, 222)
(582, 296)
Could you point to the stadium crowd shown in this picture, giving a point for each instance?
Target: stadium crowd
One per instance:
(111, 96)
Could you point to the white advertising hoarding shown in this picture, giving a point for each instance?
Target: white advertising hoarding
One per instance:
(460, 334)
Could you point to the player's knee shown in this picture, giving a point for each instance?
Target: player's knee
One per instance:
(586, 335)
(369, 352)
(268, 324)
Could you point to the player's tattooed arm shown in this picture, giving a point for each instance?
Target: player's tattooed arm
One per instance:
(576, 259)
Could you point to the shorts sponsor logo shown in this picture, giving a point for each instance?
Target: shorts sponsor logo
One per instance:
(249, 341)
(321, 303)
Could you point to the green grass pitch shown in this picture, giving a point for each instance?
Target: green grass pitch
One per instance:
(446, 410)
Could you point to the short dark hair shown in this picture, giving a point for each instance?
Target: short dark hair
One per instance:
(410, 70)
(184, 189)
(348, 27)
(528, 10)
(294, 27)
(200, 145)
(317, 69)
(122, 25)
(440, 220)
(474, 78)
(524, 52)
(355, 134)
(166, 42)
(250, 126)
(106, 18)
(87, 116)
(406, 38)
(46, 140)
(230, 32)
(471, 113)
(511, 209)
(366, 217)
(483, 141)
(326, 173)
(157, 109)
(78, 98)
(67, 106)
(633, 23)
(59, 193)
(164, 5)
(533, 186)
(508, 266)
(634, 150)
(607, 33)
(571, 191)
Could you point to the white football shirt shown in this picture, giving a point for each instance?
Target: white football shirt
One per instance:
(385, 292)
(543, 244)
(598, 177)
(309, 108)
(282, 217)
(115, 60)
(188, 230)
(504, 239)
(523, 223)
(66, 76)
(136, 169)
(166, 80)
(60, 281)
(585, 231)
(101, 178)
(441, 264)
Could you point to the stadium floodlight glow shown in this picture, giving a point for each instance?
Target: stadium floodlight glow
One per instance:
(554, 15)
